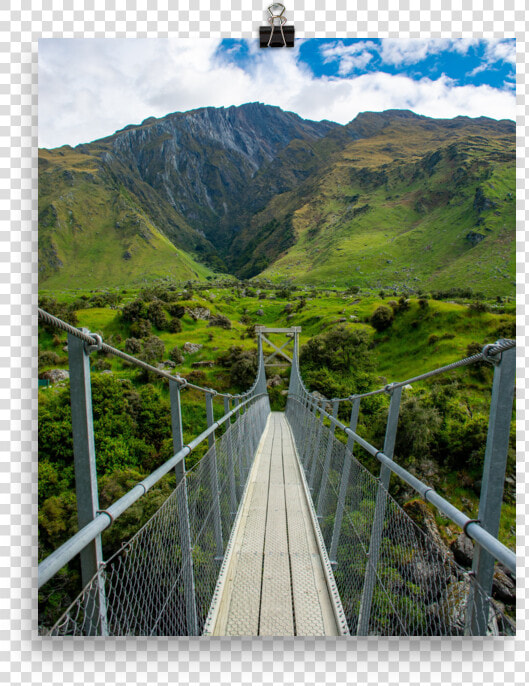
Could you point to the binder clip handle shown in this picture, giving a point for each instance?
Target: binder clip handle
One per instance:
(267, 35)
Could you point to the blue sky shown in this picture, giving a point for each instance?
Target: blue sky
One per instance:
(89, 88)
(475, 62)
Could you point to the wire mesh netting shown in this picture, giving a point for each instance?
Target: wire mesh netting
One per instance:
(161, 582)
(393, 579)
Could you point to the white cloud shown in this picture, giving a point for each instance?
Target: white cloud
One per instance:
(401, 51)
(88, 88)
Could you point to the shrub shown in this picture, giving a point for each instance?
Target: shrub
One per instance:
(301, 304)
(174, 325)
(474, 348)
(152, 350)
(134, 311)
(220, 320)
(404, 304)
(423, 304)
(141, 328)
(337, 349)
(176, 310)
(133, 346)
(381, 318)
(100, 364)
(156, 314)
(478, 307)
(176, 355)
(61, 310)
(242, 365)
(432, 339)
(506, 330)
(48, 358)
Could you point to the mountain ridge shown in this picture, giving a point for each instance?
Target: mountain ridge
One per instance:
(213, 181)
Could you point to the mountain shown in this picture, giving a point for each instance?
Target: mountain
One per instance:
(391, 198)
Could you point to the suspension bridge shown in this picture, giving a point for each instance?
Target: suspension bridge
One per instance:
(279, 529)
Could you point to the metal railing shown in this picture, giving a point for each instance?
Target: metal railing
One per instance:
(161, 582)
(394, 579)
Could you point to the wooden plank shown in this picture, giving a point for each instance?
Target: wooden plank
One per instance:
(275, 583)
(239, 604)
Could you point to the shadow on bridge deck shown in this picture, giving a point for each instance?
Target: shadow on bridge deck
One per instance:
(273, 581)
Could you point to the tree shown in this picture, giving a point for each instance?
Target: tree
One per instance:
(338, 350)
(381, 318)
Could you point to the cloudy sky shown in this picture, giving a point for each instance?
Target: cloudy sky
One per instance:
(89, 88)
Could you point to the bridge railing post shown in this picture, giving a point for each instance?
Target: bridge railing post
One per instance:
(214, 481)
(86, 479)
(492, 484)
(184, 528)
(310, 431)
(380, 511)
(231, 465)
(237, 426)
(344, 482)
(317, 442)
(327, 464)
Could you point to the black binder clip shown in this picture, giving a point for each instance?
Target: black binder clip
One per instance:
(277, 35)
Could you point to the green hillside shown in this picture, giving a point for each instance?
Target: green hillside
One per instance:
(400, 211)
(94, 231)
(391, 200)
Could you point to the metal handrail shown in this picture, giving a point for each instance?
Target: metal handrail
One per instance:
(471, 527)
(51, 565)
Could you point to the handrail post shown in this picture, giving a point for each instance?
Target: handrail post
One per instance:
(217, 521)
(311, 433)
(231, 467)
(348, 458)
(183, 512)
(86, 479)
(327, 464)
(380, 511)
(491, 496)
(317, 442)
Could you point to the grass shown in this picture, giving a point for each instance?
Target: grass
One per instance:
(400, 352)
(409, 230)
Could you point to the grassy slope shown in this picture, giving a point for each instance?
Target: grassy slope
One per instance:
(94, 232)
(400, 352)
(374, 221)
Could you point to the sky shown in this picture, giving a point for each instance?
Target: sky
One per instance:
(89, 88)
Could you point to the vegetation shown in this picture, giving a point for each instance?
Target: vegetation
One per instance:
(442, 423)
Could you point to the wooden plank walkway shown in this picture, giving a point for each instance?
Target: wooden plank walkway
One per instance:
(274, 582)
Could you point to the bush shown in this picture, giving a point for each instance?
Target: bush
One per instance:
(474, 348)
(61, 310)
(174, 325)
(176, 310)
(338, 350)
(382, 318)
(176, 355)
(242, 365)
(132, 346)
(48, 358)
(478, 307)
(156, 314)
(423, 304)
(134, 311)
(432, 339)
(141, 328)
(153, 350)
(220, 320)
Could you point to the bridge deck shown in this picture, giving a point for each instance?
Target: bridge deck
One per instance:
(274, 582)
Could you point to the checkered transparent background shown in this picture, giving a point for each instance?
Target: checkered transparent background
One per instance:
(26, 658)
